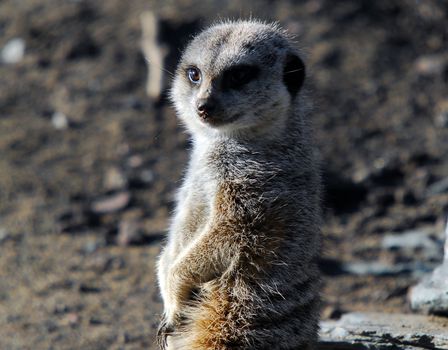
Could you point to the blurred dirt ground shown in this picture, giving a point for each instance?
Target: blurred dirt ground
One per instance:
(89, 165)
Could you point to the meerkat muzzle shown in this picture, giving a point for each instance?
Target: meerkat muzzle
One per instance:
(205, 107)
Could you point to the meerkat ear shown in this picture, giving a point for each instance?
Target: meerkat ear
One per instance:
(293, 73)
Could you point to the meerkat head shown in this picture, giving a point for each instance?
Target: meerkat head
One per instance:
(238, 76)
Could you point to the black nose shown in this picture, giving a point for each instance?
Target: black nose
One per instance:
(205, 106)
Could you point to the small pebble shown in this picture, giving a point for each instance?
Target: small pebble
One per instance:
(59, 121)
(339, 332)
(13, 51)
(135, 161)
(377, 268)
(114, 179)
(112, 203)
(71, 319)
(91, 247)
(3, 235)
(128, 232)
(413, 240)
(431, 64)
(441, 118)
(438, 187)
(147, 176)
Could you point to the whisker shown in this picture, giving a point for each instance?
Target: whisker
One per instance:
(293, 71)
(158, 66)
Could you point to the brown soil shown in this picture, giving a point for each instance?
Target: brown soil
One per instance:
(69, 197)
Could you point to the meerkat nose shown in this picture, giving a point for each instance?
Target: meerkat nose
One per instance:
(205, 106)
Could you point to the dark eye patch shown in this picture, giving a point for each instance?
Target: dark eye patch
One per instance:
(238, 76)
(293, 74)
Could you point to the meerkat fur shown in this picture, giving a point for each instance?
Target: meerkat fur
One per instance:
(239, 269)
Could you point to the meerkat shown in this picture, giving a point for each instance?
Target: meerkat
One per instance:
(239, 270)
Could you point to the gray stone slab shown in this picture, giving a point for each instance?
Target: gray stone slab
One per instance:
(431, 294)
(380, 331)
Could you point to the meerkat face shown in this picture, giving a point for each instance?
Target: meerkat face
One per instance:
(236, 76)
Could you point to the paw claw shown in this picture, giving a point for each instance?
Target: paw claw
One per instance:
(164, 330)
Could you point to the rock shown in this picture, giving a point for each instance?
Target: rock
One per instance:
(147, 176)
(413, 240)
(438, 187)
(431, 64)
(339, 332)
(92, 246)
(111, 203)
(431, 294)
(3, 235)
(441, 118)
(377, 268)
(71, 319)
(135, 161)
(114, 179)
(13, 51)
(129, 232)
(59, 121)
(384, 331)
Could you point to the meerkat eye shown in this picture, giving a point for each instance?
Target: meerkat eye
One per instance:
(194, 74)
(239, 76)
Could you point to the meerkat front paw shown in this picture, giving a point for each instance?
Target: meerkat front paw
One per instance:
(174, 297)
(168, 326)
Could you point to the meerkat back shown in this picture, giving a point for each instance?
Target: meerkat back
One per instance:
(239, 268)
